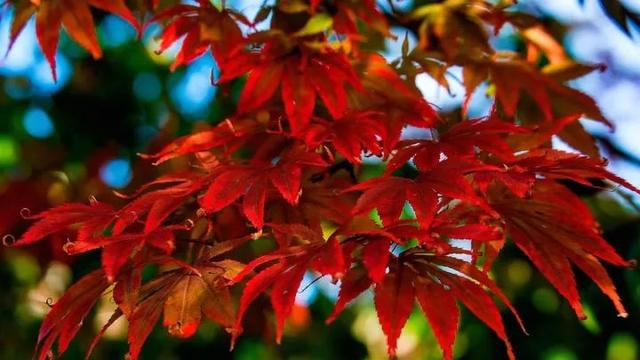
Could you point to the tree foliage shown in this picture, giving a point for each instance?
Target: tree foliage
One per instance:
(284, 170)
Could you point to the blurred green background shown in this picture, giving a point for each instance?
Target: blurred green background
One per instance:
(79, 137)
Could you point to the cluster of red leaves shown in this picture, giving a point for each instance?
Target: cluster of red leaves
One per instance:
(283, 170)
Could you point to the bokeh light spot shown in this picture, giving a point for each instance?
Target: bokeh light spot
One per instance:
(545, 300)
(560, 353)
(622, 346)
(37, 123)
(519, 272)
(116, 173)
(8, 153)
(42, 79)
(193, 92)
(115, 32)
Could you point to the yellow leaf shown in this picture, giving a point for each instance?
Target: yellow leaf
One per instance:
(316, 24)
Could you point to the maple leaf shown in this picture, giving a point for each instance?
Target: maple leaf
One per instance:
(387, 93)
(302, 75)
(284, 276)
(436, 281)
(388, 197)
(388, 194)
(195, 295)
(67, 314)
(229, 135)
(465, 222)
(142, 304)
(553, 99)
(576, 136)
(127, 289)
(158, 205)
(352, 284)
(347, 13)
(350, 135)
(117, 249)
(363, 238)
(393, 300)
(560, 165)
(182, 295)
(455, 27)
(522, 172)
(148, 310)
(554, 228)
(486, 234)
(375, 257)
(234, 181)
(320, 201)
(375, 243)
(94, 219)
(203, 27)
(76, 17)
(22, 12)
(459, 141)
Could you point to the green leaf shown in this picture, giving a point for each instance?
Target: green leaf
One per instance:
(316, 24)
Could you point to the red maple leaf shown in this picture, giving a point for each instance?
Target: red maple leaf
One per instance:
(554, 228)
(94, 219)
(203, 27)
(387, 93)
(388, 194)
(76, 17)
(302, 74)
(350, 135)
(253, 182)
(68, 313)
(460, 141)
(287, 269)
(436, 281)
